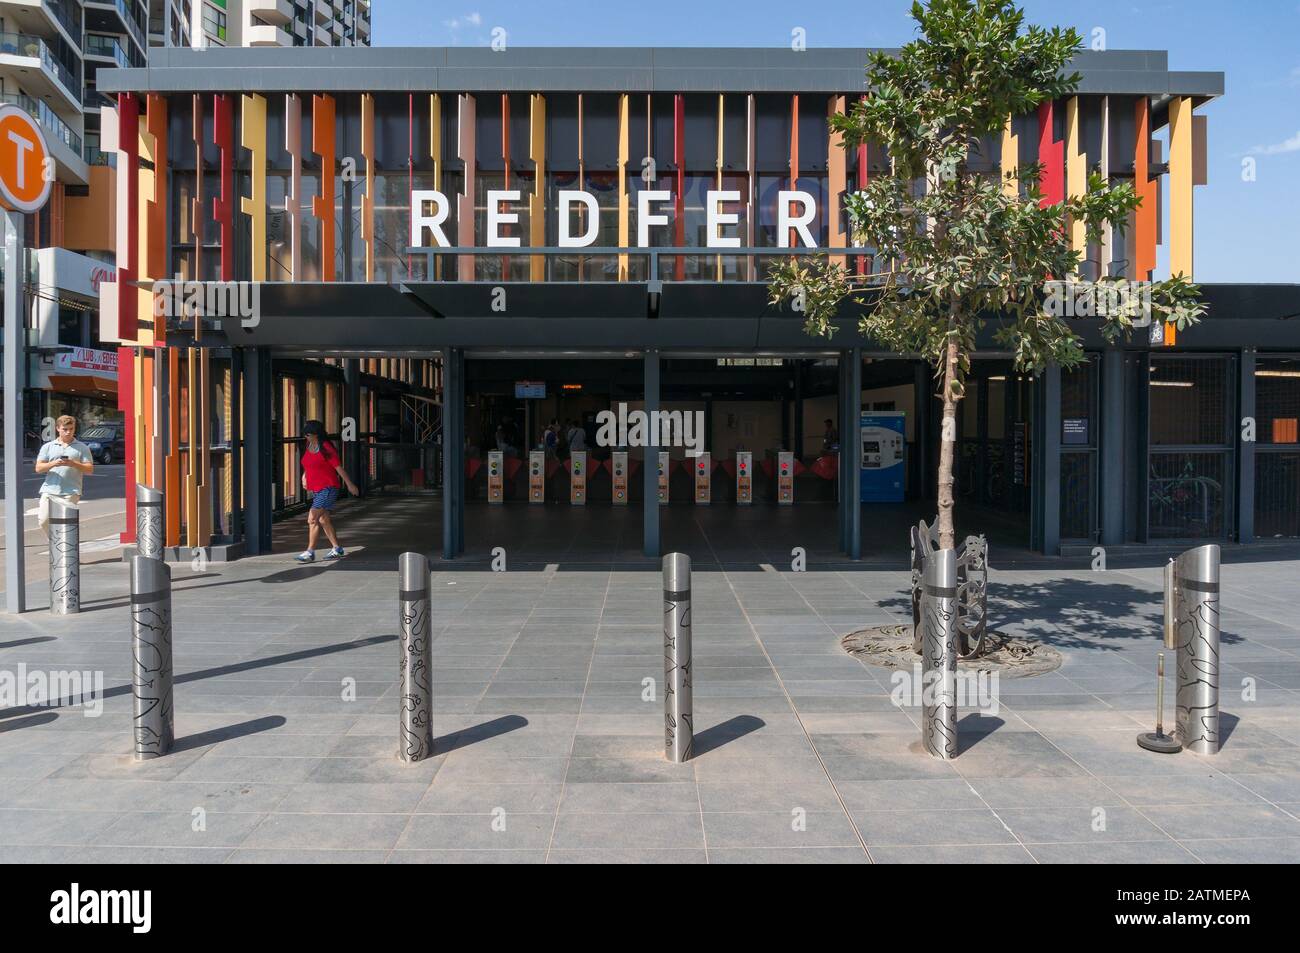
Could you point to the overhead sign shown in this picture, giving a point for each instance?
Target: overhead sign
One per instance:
(86, 359)
(25, 165)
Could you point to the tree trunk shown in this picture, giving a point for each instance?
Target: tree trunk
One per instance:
(948, 448)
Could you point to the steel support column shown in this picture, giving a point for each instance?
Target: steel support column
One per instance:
(1111, 453)
(850, 448)
(649, 470)
(15, 381)
(453, 453)
(352, 411)
(258, 441)
(1046, 466)
(1246, 473)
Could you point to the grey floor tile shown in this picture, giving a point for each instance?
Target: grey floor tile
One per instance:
(637, 831)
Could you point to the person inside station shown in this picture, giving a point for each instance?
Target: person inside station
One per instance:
(831, 438)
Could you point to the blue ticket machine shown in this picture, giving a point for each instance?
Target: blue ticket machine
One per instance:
(882, 461)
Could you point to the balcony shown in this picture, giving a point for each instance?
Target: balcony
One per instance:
(322, 36)
(278, 12)
(69, 16)
(262, 34)
(43, 73)
(114, 16)
(65, 144)
(107, 47)
(323, 12)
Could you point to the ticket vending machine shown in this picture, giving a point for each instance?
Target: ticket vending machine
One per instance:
(663, 477)
(744, 478)
(618, 460)
(578, 477)
(703, 469)
(785, 478)
(496, 484)
(882, 468)
(536, 476)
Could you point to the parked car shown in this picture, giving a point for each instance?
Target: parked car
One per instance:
(107, 442)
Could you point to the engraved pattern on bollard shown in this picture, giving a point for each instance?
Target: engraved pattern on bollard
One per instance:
(415, 741)
(939, 655)
(65, 557)
(151, 651)
(148, 521)
(1196, 621)
(679, 722)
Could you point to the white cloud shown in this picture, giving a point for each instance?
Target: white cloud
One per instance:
(469, 19)
(1286, 145)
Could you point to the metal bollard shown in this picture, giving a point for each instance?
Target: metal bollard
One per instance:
(151, 650)
(65, 557)
(416, 740)
(1196, 622)
(148, 521)
(679, 726)
(939, 654)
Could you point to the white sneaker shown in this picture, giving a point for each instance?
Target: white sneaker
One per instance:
(306, 556)
(335, 553)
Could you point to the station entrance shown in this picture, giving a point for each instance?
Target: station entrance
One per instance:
(552, 467)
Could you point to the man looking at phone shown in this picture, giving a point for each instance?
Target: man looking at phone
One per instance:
(63, 461)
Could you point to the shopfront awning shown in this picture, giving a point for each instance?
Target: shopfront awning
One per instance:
(84, 385)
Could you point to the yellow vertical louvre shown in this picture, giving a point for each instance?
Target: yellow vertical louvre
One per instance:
(1076, 173)
(252, 136)
(622, 183)
(368, 199)
(1180, 186)
(1010, 160)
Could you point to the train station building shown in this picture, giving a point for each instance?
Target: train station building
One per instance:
(447, 249)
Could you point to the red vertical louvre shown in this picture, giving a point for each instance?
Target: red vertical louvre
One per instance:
(679, 201)
(128, 259)
(223, 204)
(1051, 154)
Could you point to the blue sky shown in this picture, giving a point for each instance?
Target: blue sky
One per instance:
(1245, 231)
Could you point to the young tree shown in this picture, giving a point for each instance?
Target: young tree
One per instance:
(969, 248)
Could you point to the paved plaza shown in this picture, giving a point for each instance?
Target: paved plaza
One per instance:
(550, 744)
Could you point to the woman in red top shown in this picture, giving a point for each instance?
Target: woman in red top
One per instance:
(321, 474)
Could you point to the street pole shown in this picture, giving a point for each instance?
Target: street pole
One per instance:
(15, 370)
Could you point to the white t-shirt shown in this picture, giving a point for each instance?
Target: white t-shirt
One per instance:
(63, 481)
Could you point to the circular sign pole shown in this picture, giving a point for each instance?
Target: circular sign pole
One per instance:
(26, 177)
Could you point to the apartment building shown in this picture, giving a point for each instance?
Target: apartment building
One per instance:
(281, 23)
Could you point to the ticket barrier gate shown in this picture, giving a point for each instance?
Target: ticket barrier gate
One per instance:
(495, 479)
(785, 478)
(618, 469)
(578, 478)
(703, 479)
(537, 476)
(663, 477)
(744, 477)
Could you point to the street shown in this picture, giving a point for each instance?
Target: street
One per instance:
(103, 508)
